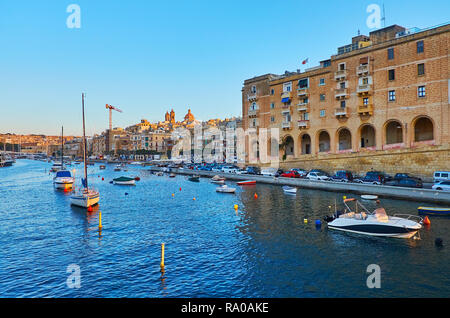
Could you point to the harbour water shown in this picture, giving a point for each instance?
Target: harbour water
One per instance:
(263, 250)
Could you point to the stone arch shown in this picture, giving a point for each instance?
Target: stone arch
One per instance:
(288, 146)
(305, 143)
(323, 141)
(367, 136)
(423, 129)
(393, 132)
(344, 139)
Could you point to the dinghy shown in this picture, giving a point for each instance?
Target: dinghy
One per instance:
(124, 181)
(290, 190)
(434, 211)
(369, 197)
(194, 178)
(248, 182)
(225, 189)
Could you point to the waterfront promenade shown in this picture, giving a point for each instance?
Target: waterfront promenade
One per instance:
(424, 195)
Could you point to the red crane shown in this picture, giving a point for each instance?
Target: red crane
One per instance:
(110, 107)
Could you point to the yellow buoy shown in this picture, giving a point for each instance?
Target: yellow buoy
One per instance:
(173, 194)
(305, 221)
(193, 199)
(236, 207)
(162, 256)
(100, 220)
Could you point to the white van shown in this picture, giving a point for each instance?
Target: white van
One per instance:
(269, 172)
(441, 176)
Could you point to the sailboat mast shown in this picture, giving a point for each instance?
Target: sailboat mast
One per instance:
(62, 147)
(84, 146)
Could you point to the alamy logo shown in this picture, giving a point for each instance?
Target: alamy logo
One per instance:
(74, 279)
(374, 19)
(74, 19)
(374, 279)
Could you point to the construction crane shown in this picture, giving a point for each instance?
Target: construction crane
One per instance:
(110, 107)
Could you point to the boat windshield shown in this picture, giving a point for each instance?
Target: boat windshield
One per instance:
(63, 174)
(380, 215)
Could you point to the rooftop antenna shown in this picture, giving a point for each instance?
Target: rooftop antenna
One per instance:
(383, 18)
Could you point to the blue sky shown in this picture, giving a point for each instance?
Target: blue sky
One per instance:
(147, 57)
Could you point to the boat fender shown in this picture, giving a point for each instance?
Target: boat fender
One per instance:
(318, 223)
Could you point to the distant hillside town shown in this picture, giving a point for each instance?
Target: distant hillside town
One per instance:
(141, 141)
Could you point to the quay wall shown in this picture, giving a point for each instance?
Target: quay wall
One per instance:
(422, 195)
(421, 162)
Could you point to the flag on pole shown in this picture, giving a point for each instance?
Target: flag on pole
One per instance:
(305, 61)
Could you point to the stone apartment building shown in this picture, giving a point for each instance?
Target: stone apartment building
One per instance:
(158, 140)
(381, 103)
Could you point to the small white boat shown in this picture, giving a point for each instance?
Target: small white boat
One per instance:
(57, 166)
(220, 181)
(63, 180)
(369, 197)
(118, 168)
(135, 163)
(85, 198)
(225, 189)
(160, 174)
(124, 181)
(290, 190)
(102, 167)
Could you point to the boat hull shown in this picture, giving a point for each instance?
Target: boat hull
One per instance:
(380, 232)
(85, 201)
(434, 211)
(63, 185)
(251, 182)
(131, 182)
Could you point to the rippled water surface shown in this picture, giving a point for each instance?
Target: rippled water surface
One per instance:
(263, 250)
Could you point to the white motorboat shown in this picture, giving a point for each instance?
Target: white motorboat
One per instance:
(290, 190)
(85, 197)
(63, 180)
(376, 223)
(225, 189)
(6, 161)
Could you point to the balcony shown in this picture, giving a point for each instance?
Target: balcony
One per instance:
(362, 70)
(303, 107)
(340, 75)
(286, 125)
(303, 124)
(342, 112)
(366, 110)
(340, 93)
(286, 95)
(302, 91)
(252, 112)
(363, 89)
(252, 97)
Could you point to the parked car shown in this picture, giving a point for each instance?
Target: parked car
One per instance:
(242, 171)
(408, 182)
(253, 170)
(400, 176)
(230, 169)
(441, 176)
(319, 175)
(442, 186)
(290, 174)
(217, 169)
(279, 173)
(342, 176)
(303, 173)
(269, 172)
(374, 177)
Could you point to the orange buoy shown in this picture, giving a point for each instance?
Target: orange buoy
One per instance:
(256, 196)
(90, 209)
(194, 199)
(426, 221)
(180, 189)
(103, 179)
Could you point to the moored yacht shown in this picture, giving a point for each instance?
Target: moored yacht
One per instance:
(377, 223)
(85, 197)
(63, 180)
